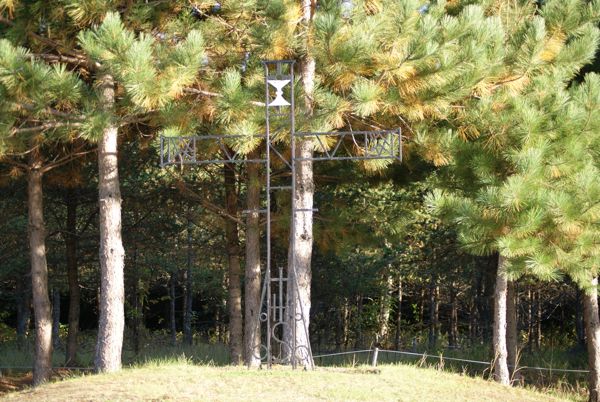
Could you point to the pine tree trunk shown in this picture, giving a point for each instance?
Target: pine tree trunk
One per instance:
(538, 318)
(529, 318)
(511, 328)
(384, 311)
(73, 277)
(55, 318)
(135, 294)
(234, 298)
(359, 341)
(23, 299)
(579, 326)
(399, 316)
(592, 329)
(346, 324)
(172, 319)
(433, 313)
(252, 293)
(112, 315)
(501, 373)
(299, 263)
(42, 310)
(453, 332)
(188, 288)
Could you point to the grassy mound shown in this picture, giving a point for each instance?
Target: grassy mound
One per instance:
(184, 381)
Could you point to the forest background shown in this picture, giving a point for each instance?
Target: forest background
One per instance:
(481, 244)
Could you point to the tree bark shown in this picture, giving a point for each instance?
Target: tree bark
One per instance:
(188, 288)
(501, 373)
(252, 291)
(136, 302)
(511, 328)
(23, 299)
(398, 339)
(384, 311)
(579, 326)
(592, 329)
(234, 298)
(453, 331)
(172, 320)
(433, 313)
(359, 342)
(55, 318)
(42, 366)
(112, 315)
(538, 318)
(73, 277)
(530, 327)
(301, 233)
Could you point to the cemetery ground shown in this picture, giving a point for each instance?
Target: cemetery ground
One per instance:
(160, 371)
(182, 380)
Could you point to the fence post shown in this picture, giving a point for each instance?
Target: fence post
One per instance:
(375, 354)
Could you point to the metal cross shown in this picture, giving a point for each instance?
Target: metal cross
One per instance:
(276, 311)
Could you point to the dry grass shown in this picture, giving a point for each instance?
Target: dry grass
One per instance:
(184, 381)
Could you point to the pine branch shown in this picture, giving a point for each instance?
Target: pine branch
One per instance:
(53, 112)
(208, 205)
(215, 94)
(42, 127)
(78, 60)
(64, 160)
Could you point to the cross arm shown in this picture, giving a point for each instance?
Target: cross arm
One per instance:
(354, 145)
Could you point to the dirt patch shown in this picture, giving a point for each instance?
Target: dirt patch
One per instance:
(15, 383)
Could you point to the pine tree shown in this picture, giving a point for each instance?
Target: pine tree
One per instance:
(555, 191)
(377, 65)
(151, 75)
(129, 78)
(37, 103)
(551, 46)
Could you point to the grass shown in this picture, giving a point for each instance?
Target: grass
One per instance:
(157, 347)
(181, 379)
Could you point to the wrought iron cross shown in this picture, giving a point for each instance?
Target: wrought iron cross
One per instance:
(276, 311)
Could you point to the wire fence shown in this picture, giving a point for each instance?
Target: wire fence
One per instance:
(376, 351)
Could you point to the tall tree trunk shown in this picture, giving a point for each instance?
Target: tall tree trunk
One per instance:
(23, 299)
(39, 273)
(135, 294)
(359, 341)
(511, 328)
(346, 322)
(453, 331)
(592, 329)
(73, 277)
(579, 326)
(299, 263)
(398, 339)
(252, 291)
(422, 301)
(384, 310)
(538, 318)
(112, 315)
(188, 288)
(433, 313)
(172, 320)
(530, 327)
(234, 298)
(55, 318)
(501, 373)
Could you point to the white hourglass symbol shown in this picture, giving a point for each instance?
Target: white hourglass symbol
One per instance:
(278, 85)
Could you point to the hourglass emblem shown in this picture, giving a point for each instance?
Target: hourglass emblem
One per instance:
(278, 85)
